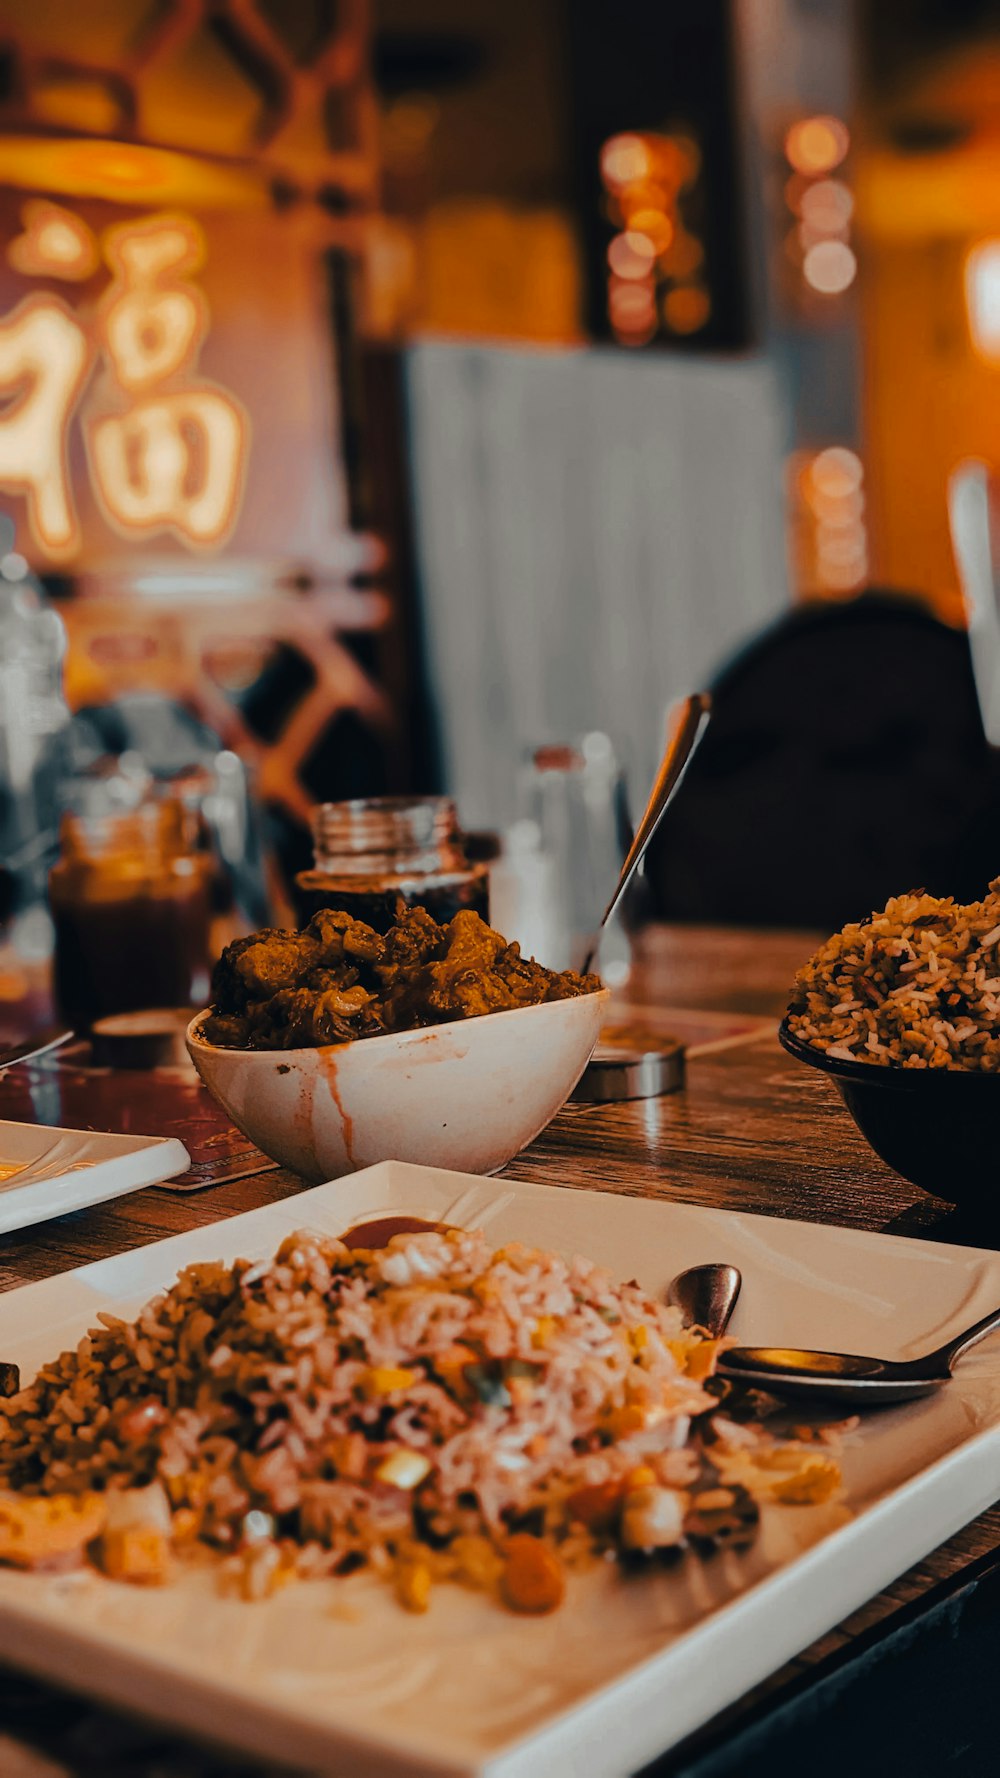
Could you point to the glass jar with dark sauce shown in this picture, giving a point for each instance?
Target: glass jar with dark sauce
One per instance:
(374, 852)
(130, 905)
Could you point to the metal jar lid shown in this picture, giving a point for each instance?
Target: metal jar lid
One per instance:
(614, 1072)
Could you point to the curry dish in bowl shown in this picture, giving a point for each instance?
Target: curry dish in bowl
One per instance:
(338, 980)
(334, 1048)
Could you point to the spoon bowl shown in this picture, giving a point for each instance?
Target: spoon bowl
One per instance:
(849, 1377)
(706, 1296)
(844, 1376)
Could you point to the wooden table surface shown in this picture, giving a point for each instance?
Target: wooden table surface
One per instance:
(753, 1130)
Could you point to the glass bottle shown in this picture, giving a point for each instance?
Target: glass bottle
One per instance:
(130, 902)
(575, 795)
(33, 715)
(374, 851)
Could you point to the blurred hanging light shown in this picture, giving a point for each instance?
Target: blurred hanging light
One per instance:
(796, 187)
(645, 194)
(836, 472)
(829, 267)
(817, 144)
(676, 160)
(631, 255)
(638, 335)
(624, 159)
(653, 258)
(628, 302)
(655, 225)
(827, 206)
(829, 520)
(686, 308)
(982, 297)
(684, 256)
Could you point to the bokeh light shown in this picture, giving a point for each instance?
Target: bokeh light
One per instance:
(829, 267)
(836, 472)
(833, 541)
(624, 159)
(827, 206)
(655, 226)
(684, 256)
(631, 255)
(817, 144)
(676, 159)
(982, 297)
(686, 308)
(654, 261)
(628, 302)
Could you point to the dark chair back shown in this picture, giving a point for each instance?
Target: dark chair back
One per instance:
(845, 762)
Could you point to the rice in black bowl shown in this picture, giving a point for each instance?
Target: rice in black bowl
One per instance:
(914, 986)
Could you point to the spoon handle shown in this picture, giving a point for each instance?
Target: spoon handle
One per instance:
(706, 1296)
(684, 738)
(947, 1355)
(34, 1046)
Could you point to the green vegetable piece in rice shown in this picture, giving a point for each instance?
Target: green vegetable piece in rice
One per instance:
(488, 1385)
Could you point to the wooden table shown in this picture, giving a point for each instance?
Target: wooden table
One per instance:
(755, 1131)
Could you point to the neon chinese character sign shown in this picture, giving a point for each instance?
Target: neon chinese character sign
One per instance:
(170, 454)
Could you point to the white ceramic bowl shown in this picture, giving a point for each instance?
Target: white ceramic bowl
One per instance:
(467, 1095)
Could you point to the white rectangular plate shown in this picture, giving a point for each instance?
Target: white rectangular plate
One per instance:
(335, 1676)
(45, 1172)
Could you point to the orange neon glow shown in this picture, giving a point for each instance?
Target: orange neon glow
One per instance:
(120, 166)
(55, 244)
(153, 320)
(176, 460)
(45, 359)
(74, 167)
(817, 144)
(173, 460)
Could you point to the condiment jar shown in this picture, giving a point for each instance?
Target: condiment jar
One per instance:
(130, 904)
(376, 851)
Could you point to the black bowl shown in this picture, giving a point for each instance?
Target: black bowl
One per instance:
(937, 1127)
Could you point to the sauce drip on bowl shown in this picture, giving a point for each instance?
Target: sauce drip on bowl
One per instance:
(379, 1232)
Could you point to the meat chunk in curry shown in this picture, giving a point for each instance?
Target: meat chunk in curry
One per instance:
(338, 980)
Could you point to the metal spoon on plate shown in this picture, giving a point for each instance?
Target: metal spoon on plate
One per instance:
(848, 1377)
(721, 1516)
